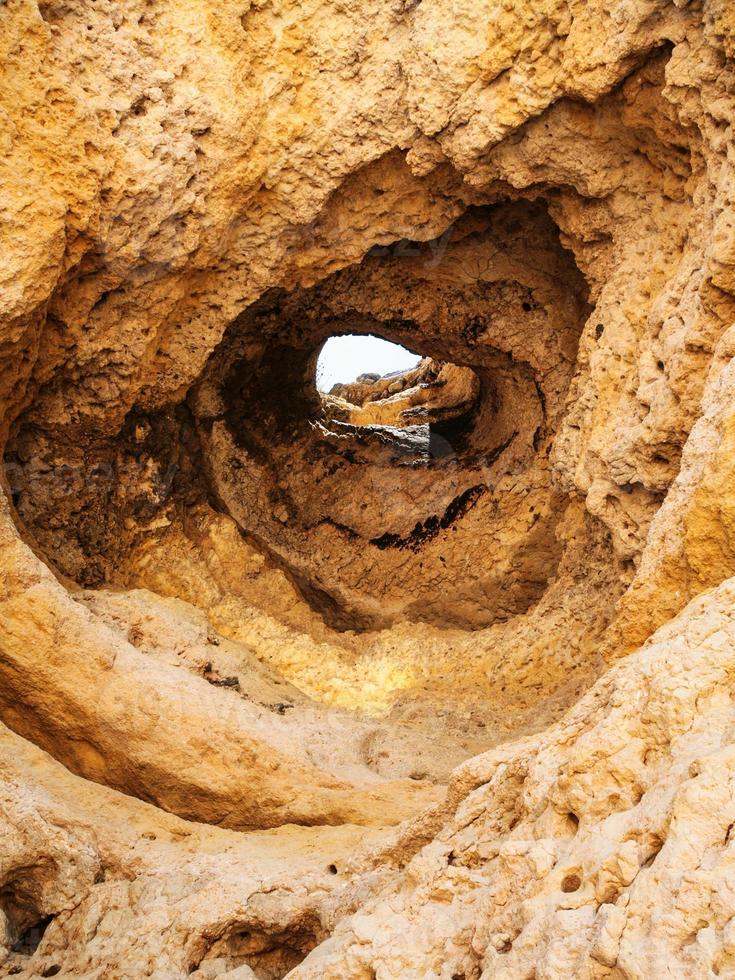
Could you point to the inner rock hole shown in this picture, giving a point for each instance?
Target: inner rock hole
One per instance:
(376, 518)
(352, 357)
(418, 405)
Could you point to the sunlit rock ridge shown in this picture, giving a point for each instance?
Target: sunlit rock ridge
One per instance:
(430, 675)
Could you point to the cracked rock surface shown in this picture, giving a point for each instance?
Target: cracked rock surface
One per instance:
(430, 676)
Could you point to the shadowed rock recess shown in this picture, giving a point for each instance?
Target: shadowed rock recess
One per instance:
(428, 676)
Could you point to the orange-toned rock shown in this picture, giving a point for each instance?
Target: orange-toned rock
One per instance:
(429, 676)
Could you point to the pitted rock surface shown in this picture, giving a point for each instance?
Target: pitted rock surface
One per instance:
(429, 676)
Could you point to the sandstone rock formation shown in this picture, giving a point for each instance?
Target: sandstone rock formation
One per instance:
(431, 676)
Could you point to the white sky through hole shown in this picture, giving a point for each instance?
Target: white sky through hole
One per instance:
(343, 359)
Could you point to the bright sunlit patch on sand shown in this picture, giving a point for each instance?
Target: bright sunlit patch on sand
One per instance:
(344, 359)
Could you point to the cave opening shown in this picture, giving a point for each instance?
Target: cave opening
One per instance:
(424, 406)
(346, 358)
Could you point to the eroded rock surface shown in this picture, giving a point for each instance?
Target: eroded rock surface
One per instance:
(430, 676)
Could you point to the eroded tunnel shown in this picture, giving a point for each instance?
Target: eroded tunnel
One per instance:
(369, 524)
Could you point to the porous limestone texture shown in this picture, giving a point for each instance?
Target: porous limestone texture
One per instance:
(431, 676)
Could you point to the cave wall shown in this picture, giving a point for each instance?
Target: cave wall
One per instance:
(461, 711)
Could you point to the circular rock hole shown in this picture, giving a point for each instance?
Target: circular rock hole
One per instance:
(571, 883)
